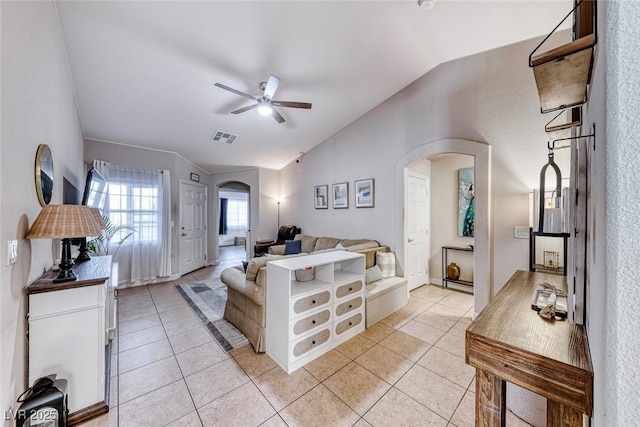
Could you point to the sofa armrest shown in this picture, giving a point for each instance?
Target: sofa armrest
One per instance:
(276, 250)
(236, 279)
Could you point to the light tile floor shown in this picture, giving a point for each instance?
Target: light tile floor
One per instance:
(407, 370)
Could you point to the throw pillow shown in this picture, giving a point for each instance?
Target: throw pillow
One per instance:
(339, 246)
(387, 263)
(372, 274)
(292, 247)
(256, 264)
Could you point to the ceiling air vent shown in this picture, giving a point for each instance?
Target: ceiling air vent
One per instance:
(223, 137)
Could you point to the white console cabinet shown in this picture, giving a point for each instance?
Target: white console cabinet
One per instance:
(67, 334)
(307, 319)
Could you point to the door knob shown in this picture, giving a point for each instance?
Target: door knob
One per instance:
(184, 234)
(409, 240)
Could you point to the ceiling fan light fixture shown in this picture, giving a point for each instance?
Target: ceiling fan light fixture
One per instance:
(265, 109)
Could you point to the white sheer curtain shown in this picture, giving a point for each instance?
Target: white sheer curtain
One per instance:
(142, 200)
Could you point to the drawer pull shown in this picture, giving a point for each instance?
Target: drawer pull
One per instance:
(350, 305)
(313, 342)
(313, 302)
(350, 289)
(350, 324)
(313, 322)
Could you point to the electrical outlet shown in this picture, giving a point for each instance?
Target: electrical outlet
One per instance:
(521, 232)
(12, 252)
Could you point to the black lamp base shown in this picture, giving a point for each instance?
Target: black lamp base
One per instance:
(83, 251)
(65, 276)
(66, 273)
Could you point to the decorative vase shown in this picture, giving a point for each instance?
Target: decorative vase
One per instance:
(453, 271)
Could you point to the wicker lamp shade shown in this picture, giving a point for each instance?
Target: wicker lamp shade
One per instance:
(66, 221)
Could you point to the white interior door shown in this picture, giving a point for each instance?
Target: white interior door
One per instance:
(417, 217)
(193, 226)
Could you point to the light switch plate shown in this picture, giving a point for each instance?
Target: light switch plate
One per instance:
(12, 251)
(521, 232)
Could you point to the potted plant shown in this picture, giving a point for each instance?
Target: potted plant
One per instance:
(100, 245)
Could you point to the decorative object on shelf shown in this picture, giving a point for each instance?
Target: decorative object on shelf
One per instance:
(340, 195)
(551, 259)
(549, 301)
(453, 271)
(66, 222)
(320, 199)
(44, 174)
(306, 274)
(194, 177)
(365, 193)
(549, 219)
(466, 202)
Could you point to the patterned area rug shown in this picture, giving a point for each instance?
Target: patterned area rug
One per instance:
(207, 299)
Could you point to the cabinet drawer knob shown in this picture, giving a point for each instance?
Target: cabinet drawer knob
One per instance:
(350, 323)
(350, 306)
(313, 342)
(350, 289)
(313, 302)
(313, 322)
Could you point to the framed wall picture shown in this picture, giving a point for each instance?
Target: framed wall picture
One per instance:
(466, 202)
(365, 193)
(340, 195)
(194, 177)
(320, 196)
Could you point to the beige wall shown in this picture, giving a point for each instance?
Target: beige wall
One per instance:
(444, 216)
(38, 107)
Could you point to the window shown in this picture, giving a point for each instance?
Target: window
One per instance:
(237, 213)
(135, 205)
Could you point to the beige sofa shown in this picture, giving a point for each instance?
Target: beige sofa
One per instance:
(246, 303)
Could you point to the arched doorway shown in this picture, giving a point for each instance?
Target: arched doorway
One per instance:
(482, 164)
(233, 220)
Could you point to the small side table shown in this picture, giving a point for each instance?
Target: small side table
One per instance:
(445, 263)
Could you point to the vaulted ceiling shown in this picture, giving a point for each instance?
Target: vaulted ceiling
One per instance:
(144, 71)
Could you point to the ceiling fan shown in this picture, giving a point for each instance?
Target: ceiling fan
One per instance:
(264, 103)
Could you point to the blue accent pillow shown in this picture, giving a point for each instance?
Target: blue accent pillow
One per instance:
(292, 247)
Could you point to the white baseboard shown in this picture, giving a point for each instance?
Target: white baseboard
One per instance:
(435, 281)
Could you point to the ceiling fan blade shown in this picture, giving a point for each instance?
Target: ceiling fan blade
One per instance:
(272, 85)
(237, 92)
(291, 104)
(277, 115)
(243, 109)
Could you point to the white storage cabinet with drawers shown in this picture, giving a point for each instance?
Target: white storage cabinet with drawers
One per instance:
(307, 319)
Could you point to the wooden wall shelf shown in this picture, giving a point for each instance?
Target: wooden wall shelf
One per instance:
(562, 74)
(575, 120)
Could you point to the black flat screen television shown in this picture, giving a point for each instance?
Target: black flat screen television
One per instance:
(95, 190)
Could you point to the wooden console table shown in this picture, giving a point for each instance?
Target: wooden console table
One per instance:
(509, 342)
(67, 335)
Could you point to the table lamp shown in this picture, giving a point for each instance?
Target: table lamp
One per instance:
(83, 249)
(66, 222)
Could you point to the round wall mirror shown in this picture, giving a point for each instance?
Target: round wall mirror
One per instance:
(44, 174)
